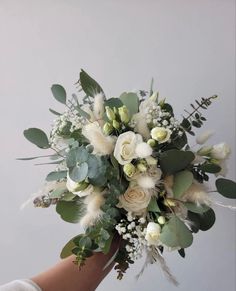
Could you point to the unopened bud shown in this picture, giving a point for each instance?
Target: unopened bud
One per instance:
(116, 124)
(124, 114)
(129, 169)
(169, 202)
(110, 113)
(141, 167)
(151, 142)
(161, 220)
(107, 128)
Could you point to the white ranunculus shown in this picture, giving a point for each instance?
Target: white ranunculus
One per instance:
(143, 150)
(202, 138)
(125, 147)
(102, 144)
(81, 189)
(161, 134)
(153, 233)
(220, 151)
(135, 200)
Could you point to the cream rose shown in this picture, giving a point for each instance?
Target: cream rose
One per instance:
(161, 134)
(135, 200)
(153, 233)
(220, 151)
(102, 144)
(125, 147)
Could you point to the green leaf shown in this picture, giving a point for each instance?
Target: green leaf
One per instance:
(193, 207)
(207, 219)
(210, 168)
(89, 85)
(59, 93)
(79, 172)
(131, 101)
(107, 245)
(153, 206)
(182, 253)
(71, 211)
(85, 242)
(75, 156)
(68, 196)
(113, 102)
(33, 158)
(194, 221)
(176, 234)
(173, 161)
(54, 112)
(37, 137)
(57, 193)
(57, 175)
(104, 234)
(226, 187)
(67, 249)
(182, 181)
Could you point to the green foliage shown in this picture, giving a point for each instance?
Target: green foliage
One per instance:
(54, 112)
(89, 85)
(57, 193)
(201, 221)
(226, 187)
(113, 102)
(153, 206)
(176, 234)
(67, 249)
(57, 175)
(210, 168)
(70, 211)
(193, 207)
(182, 253)
(79, 172)
(59, 93)
(131, 101)
(37, 137)
(182, 181)
(173, 161)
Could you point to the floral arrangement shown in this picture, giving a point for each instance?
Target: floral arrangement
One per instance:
(124, 166)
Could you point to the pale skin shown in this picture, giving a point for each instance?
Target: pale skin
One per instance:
(66, 276)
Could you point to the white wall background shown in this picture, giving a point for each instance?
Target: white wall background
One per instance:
(187, 46)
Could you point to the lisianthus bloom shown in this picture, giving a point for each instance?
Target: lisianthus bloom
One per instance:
(153, 233)
(161, 134)
(220, 151)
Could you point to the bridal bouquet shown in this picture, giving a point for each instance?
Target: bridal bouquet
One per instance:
(124, 166)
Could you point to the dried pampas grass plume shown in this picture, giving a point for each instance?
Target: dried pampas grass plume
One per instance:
(197, 193)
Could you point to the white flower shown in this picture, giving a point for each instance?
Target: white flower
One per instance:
(135, 200)
(141, 125)
(125, 147)
(220, 151)
(202, 138)
(98, 107)
(102, 144)
(161, 134)
(153, 233)
(81, 189)
(143, 150)
(146, 182)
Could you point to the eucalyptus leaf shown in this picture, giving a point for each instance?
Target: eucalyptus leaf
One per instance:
(85, 242)
(193, 207)
(210, 168)
(59, 93)
(182, 181)
(182, 253)
(131, 101)
(68, 196)
(67, 249)
(173, 161)
(153, 206)
(54, 112)
(194, 220)
(176, 234)
(57, 193)
(79, 172)
(89, 85)
(37, 137)
(57, 175)
(113, 102)
(107, 244)
(226, 187)
(207, 219)
(71, 211)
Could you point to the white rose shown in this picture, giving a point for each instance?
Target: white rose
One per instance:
(153, 233)
(161, 134)
(102, 144)
(125, 147)
(220, 151)
(81, 189)
(135, 200)
(143, 150)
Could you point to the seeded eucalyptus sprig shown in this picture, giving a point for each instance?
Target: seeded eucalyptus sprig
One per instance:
(195, 118)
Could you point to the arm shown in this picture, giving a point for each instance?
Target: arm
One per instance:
(67, 276)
